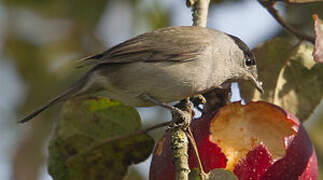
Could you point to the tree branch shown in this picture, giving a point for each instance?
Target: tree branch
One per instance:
(179, 140)
(179, 149)
(200, 11)
(269, 5)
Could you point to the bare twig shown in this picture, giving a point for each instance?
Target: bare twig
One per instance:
(269, 5)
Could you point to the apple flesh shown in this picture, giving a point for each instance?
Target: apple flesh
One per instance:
(255, 141)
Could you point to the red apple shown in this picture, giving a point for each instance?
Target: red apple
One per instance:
(255, 141)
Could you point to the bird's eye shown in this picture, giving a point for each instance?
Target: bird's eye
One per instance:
(250, 61)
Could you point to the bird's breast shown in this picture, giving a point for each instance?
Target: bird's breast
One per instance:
(165, 81)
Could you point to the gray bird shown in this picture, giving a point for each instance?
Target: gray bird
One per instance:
(168, 64)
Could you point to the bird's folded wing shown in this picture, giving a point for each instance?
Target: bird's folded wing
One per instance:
(177, 44)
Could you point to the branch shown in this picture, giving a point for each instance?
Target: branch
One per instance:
(181, 165)
(200, 11)
(179, 141)
(269, 5)
(179, 149)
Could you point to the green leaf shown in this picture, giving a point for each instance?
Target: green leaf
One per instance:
(133, 174)
(194, 174)
(85, 12)
(221, 174)
(215, 174)
(291, 78)
(87, 122)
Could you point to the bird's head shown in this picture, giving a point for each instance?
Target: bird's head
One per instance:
(247, 64)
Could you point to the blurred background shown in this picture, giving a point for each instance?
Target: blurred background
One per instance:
(40, 42)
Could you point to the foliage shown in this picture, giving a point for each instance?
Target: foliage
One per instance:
(215, 174)
(87, 122)
(291, 78)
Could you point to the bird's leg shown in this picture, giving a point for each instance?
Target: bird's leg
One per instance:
(181, 112)
(187, 107)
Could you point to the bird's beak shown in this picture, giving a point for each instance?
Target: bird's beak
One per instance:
(257, 83)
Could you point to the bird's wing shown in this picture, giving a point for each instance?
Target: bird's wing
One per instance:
(178, 44)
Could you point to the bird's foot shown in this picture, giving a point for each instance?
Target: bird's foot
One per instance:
(198, 99)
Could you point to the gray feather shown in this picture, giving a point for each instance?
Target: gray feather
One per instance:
(154, 47)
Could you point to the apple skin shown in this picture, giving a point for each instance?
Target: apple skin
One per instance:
(162, 168)
(299, 161)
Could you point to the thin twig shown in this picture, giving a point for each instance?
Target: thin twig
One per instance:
(191, 138)
(119, 137)
(269, 5)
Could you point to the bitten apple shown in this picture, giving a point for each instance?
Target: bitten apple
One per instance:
(254, 141)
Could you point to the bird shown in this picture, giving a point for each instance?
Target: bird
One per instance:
(166, 65)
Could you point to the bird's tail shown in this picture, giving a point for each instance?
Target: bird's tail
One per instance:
(71, 92)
